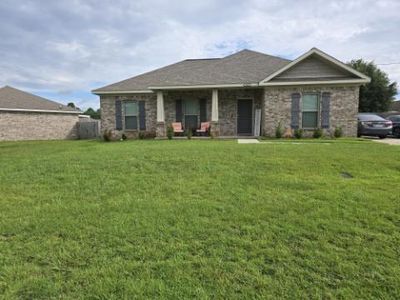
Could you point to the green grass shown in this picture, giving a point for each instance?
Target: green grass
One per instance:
(199, 219)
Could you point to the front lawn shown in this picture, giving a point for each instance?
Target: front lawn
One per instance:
(199, 219)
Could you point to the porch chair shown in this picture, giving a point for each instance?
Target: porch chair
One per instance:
(204, 128)
(177, 127)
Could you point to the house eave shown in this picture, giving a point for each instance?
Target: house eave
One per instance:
(40, 111)
(122, 92)
(316, 82)
(205, 86)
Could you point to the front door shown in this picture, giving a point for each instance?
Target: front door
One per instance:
(192, 110)
(245, 117)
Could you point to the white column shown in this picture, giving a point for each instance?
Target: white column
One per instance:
(160, 107)
(214, 106)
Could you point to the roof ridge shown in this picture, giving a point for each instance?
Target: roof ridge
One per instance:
(257, 52)
(211, 58)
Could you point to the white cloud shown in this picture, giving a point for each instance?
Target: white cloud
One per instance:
(67, 48)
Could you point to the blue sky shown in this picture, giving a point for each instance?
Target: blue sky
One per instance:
(63, 49)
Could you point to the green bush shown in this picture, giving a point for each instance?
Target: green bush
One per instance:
(317, 133)
(211, 132)
(338, 132)
(278, 131)
(141, 135)
(124, 137)
(298, 133)
(189, 134)
(107, 135)
(170, 132)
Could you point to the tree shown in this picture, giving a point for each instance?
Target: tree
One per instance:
(71, 104)
(377, 95)
(94, 114)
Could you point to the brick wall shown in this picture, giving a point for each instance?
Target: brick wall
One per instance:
(107, 105)
(16, 126)
(343, 108)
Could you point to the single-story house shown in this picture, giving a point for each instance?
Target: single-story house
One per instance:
(24, 116)
(246, 93)
(395, 106)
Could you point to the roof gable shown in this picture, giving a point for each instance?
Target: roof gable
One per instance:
(14, 99)
(315, 67)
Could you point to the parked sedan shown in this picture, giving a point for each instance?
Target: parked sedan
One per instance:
(396, 124)
(373, 125)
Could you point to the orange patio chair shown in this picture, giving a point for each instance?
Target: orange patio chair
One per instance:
(177, 126)
(204, 127)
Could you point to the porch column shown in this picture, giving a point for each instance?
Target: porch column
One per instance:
(214, 106)
(214, 113)
(160, 130)
(160, 107)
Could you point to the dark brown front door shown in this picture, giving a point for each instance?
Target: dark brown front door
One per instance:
(245, 117)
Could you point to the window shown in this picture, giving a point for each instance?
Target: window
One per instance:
(131, 113)
(310, 107)
(394, 118)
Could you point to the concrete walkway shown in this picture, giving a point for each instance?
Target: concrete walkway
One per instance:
(248, 141)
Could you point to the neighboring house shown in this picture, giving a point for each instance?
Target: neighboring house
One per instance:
(395, 106)
(24, 116)
(313, 91)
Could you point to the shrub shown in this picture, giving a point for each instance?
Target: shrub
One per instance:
(107, 135)
(149, 134)
(124, 137)
(170, 132)
(142, 135)
(298, 133)
(189, 134)
(338, 132)
(278, 131)
(288, 133)
(317, 133)
(211, 132)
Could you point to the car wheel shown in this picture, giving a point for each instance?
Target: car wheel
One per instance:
(396, 132)
(382, 136)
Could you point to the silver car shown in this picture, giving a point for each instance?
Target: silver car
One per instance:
(373, 125)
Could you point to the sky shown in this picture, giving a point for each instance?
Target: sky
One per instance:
(62, 50)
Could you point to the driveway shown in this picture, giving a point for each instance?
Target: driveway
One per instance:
(389, 141)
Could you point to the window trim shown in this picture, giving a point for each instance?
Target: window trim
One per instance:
(318, 110)
(131, 115)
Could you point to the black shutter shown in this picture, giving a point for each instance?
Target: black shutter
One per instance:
(178, 110)
(203, 110)
(325, 108)
(142, 115)
(295, 117)
(118, 115)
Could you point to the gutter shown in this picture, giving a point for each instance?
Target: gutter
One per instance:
(40, 110)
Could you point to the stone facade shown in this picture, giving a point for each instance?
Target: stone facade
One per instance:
(107, 106)
(16, 126)
(227, 105)
(274, 102)
(343, 108)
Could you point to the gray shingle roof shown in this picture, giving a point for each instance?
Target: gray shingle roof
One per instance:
(244, 67)
(11, 98)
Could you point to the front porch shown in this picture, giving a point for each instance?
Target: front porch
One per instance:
(231, 112)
